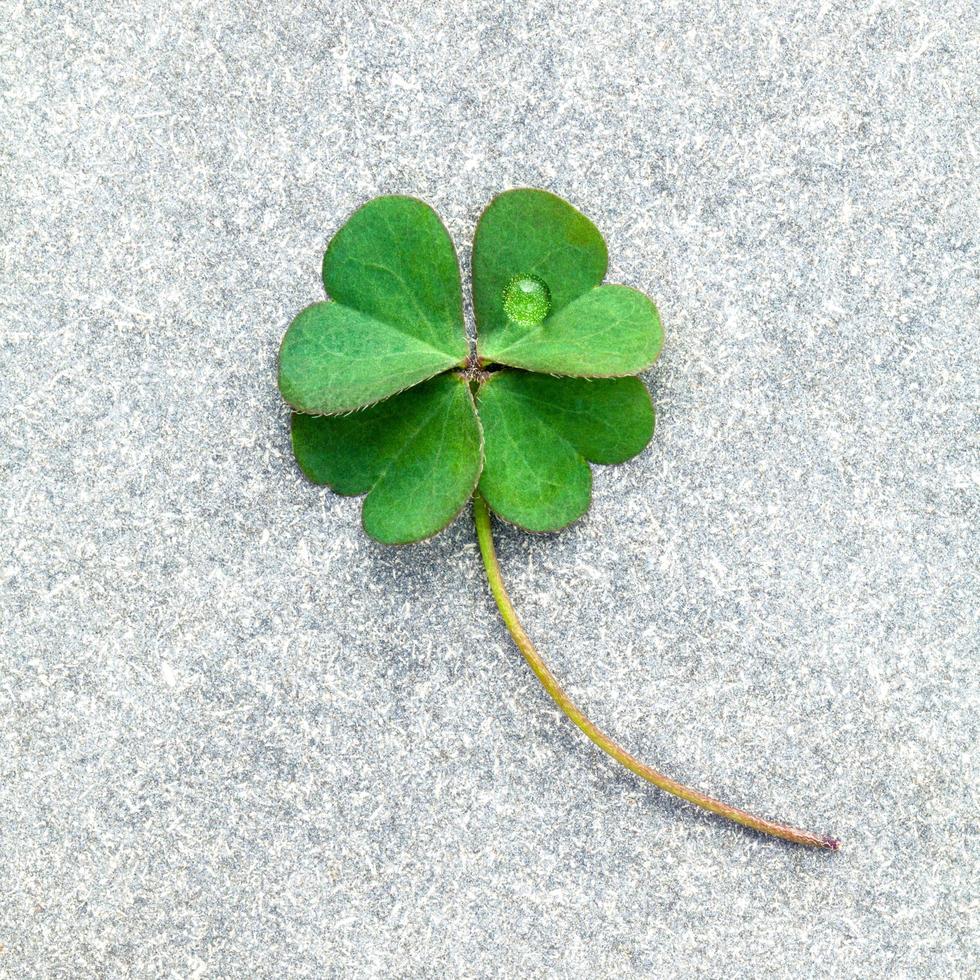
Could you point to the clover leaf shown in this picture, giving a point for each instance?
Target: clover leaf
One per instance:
(416, 455)
(540, 431)
(395, 320)
(396, 315)
(534, 243)
(391, 401)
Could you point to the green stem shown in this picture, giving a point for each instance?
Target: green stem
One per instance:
(484, 535)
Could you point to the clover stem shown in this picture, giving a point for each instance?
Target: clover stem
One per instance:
(484, 535)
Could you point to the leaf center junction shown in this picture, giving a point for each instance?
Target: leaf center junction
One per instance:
(527, 300)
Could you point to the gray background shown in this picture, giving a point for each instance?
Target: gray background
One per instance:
(238, 739)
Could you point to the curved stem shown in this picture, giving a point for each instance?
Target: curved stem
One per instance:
(484, 535)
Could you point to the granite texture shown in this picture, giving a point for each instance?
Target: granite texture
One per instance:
(238, 739)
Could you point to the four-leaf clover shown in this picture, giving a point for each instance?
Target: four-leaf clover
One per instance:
(391, 400)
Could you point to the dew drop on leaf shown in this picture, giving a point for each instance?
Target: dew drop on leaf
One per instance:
(527, 300)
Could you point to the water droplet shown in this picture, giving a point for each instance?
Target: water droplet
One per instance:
(527, 300)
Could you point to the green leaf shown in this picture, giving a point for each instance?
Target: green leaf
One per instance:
(537, 266)
(608, 332)
(396, 316)
(417, 455)
(539, 432)
(536, 234)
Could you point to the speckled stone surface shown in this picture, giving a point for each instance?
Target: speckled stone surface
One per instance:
(238, 739)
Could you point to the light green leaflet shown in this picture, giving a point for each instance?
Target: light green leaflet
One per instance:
(382, 376)
(396, 316)
(590, 330)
